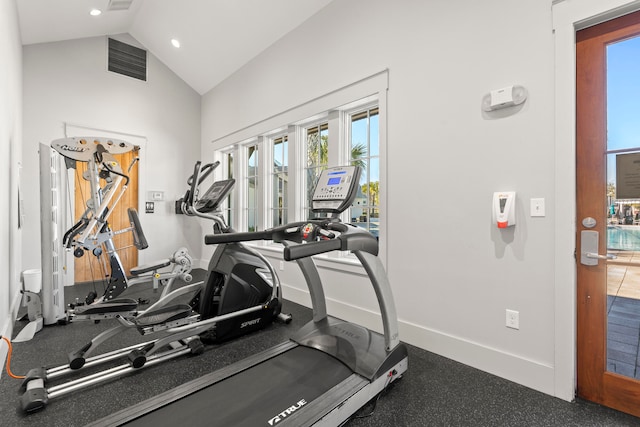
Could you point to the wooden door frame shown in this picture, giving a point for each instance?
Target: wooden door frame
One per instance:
(91, 268)
(567, 17)
(595, 383)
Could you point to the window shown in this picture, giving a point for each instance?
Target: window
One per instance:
(280, 181)
(227, 170)
(365, 152)
(337, 137)
(251, 187)
(317, 158)
(277, 169)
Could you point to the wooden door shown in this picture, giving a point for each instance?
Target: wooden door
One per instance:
(89, 267)
(598, 380)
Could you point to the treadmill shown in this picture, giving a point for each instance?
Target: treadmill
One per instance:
(326, 371)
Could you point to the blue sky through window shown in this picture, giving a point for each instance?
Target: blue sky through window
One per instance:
(623, 99)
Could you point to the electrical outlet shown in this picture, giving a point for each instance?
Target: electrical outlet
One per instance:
(281, 265)
(513, 319)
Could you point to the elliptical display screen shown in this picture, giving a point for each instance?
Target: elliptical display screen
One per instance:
(214, 195)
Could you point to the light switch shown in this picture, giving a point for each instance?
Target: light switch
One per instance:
(537, 207)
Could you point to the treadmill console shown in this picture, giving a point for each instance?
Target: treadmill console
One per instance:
(336, 189)
(214, 195)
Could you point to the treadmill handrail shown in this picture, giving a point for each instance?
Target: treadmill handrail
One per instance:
(303, 251)
(351, 238)
(362, 243)
(287, 232)
(216, 239)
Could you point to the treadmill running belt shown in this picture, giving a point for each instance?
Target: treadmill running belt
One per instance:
(256, 396)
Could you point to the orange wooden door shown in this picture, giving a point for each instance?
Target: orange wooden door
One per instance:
(89, 267)
(598, 381)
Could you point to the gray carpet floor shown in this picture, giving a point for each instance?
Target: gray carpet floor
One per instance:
(435, 391)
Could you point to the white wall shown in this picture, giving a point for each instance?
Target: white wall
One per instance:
(10, 158)
(453, 273)
(67, 82)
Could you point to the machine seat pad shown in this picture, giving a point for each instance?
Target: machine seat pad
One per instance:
(141, 269)
(113, 306)
(163, 315)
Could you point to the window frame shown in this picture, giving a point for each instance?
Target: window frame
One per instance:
(349, 118)
(242, 178)
(229, 206)
(268, 173)
(358, 96)
(302, 144)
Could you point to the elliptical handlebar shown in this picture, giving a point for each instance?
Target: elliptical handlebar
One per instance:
(190, 203)
(199, 175)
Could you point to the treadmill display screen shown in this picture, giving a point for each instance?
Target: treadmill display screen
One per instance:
(334, 181)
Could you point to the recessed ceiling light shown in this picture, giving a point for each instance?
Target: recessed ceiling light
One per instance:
(95, 12)
(175, 42)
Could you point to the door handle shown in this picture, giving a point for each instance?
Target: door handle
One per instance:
(589, 248)
(598, 256)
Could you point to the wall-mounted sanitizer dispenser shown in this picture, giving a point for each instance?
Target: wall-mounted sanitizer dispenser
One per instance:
(504, 209)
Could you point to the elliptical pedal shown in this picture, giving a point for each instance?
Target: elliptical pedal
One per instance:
(163, 315)
(113, 306)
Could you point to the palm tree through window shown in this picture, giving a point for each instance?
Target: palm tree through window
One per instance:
(317, 158)
(365, 152)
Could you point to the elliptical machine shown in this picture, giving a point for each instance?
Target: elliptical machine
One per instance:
(241, 293)
(237, 276)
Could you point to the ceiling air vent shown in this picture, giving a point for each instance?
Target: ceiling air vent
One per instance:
(127, 60)
(119, 4)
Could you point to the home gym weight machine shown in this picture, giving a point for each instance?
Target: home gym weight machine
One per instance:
(326, 371)
(241, 293)
(92, 233)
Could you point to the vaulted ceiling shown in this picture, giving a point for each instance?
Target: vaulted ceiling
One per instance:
(217, 37)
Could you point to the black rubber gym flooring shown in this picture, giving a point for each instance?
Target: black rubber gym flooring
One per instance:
(435, 391)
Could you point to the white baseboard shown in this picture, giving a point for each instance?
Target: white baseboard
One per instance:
(15, 306)
(6, 325)
(529, 373)
(526, 372)
(3, 351)
(6, 328)
(201, 263)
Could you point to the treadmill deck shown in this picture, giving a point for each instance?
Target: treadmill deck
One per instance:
(262, 395)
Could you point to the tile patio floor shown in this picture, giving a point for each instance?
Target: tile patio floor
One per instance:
(623, 308)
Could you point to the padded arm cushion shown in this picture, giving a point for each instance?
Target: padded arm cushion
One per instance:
(139, 239)
(141, 269)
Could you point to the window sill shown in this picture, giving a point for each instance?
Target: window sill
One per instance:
(337, 261)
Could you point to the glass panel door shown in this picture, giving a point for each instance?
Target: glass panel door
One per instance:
(623, 206)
